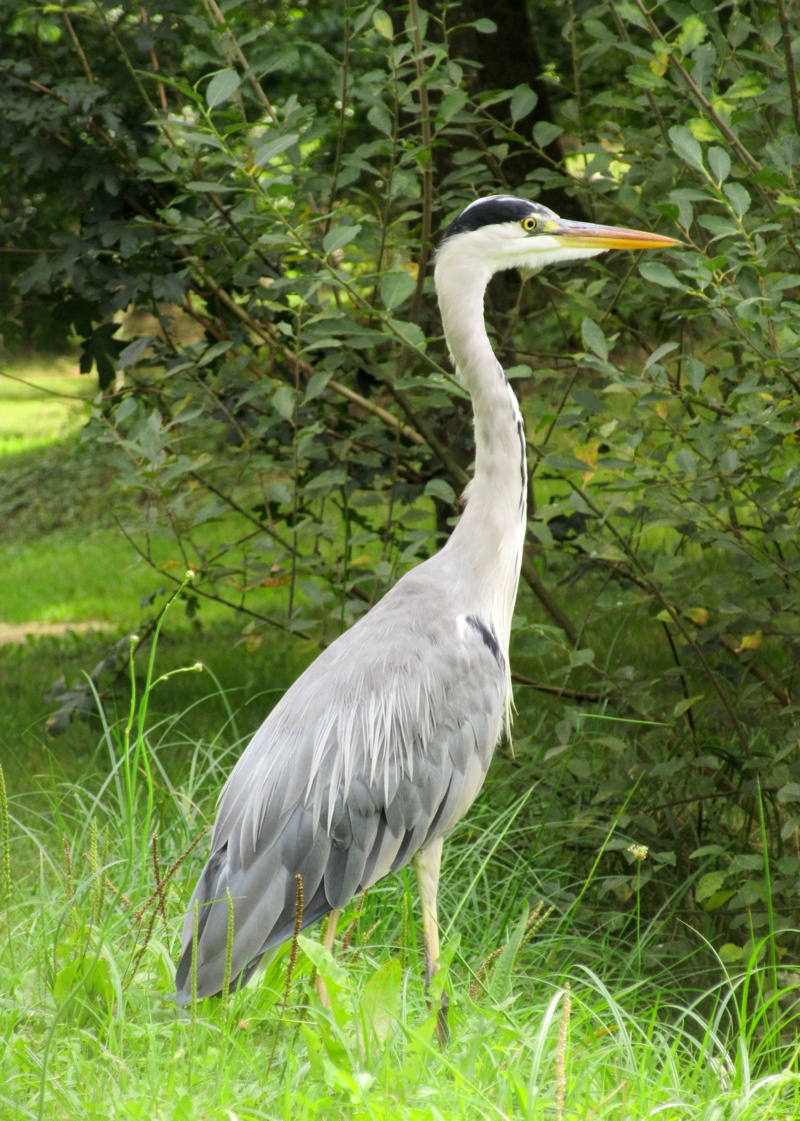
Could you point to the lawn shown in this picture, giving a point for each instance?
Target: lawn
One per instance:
(40, 402)
(556, 1011)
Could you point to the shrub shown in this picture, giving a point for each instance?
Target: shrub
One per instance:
(267, 194)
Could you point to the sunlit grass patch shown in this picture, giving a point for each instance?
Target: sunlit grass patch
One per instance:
(41, 401)
(69, 578)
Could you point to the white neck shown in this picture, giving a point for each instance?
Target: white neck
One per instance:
(487, 542)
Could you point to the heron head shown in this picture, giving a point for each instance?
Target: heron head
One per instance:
(503, 232)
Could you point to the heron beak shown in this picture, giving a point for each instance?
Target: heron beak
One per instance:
(585, 235)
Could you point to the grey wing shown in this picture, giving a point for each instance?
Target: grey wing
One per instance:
(377, 749)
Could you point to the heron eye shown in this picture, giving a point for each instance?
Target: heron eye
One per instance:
(529, 225)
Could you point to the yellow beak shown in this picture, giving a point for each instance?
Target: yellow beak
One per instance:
(586, 235)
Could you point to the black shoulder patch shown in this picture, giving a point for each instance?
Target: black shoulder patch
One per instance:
(488, 637)
(490, 212)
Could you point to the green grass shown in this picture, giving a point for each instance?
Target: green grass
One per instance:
(651, 1025)
(63, 557)
(40, 401)
(75, 578)
(251, 679)
(565, 1026)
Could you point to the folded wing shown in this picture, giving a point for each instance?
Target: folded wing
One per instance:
(379, 748)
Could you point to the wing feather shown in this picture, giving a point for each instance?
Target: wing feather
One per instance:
(378, 748)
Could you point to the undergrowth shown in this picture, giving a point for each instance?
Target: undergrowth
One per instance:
(552, 1013)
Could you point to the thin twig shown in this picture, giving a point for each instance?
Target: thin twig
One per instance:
(655, 109)
(556, 690)
(44, 388)
(698, 94)
(537, 586)
(76, 43)
(269, 335)
(162, 93)
(213, 8)
(779, 693)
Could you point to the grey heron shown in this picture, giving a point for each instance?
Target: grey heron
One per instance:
(382, 744)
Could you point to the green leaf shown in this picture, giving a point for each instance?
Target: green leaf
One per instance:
(446, 955)
(594, 339)
(750, 84)
(706, 850)
(314, 1050)
(685, 705)
(101, 350)
(222, 86)
(441, 489)
(208, 187)
(710, 883)
(720, 164)
(339, 236)
(274, 148)
(545, 132)
(326, 481)
(396, 287)
(452, 104)
(704, 59)
(410, 332)
(126, 408)
(686, 460)
(316, 384)
(380, 118)
(790, 792)
(716, 900)
(686, 146)
(332, 973)
(789, 827)
(214, 351)
(695, 373)
(500, 981)
(283, 402)
(738, 197)
(380, 1002)
(658, 354)
(729, 461)
(133, 352)
(382, 22)
(523, 102)
(693, 32)
(485, 26)
(659, 273)
(748, 862)
(565, 463)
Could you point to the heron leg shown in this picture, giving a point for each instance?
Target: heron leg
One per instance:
(426, 863)
(330, 937)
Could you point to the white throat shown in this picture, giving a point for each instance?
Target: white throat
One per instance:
(486, 545)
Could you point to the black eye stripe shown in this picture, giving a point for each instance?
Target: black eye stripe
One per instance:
(488, 212)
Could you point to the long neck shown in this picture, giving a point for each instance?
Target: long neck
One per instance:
(487, 542)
